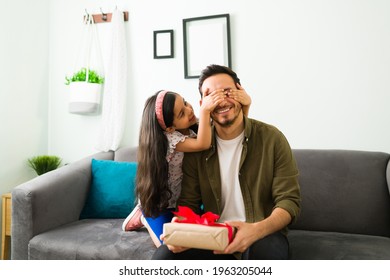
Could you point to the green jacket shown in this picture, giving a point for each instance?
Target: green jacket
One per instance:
(268, 175)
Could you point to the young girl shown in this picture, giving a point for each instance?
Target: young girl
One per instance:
(167, 131)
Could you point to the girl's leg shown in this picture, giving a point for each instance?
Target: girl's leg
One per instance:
(154, 225)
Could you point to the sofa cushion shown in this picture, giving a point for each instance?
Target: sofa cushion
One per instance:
(112, 193)
(92, 239)
(317, 245)
(344, 191)
(126, 154)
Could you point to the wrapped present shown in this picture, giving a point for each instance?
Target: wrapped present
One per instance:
(194, 231)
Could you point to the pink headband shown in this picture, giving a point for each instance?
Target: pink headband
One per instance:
(159, 108)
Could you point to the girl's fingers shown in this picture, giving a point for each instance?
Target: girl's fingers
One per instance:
(218, 92)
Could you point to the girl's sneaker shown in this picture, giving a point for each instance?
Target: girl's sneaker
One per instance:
(133, 221)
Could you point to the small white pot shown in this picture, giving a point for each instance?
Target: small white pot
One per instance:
(84, 98)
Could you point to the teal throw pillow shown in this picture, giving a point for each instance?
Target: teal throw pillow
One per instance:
(112, 193)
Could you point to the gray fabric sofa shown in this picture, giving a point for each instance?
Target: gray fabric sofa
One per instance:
(345, 211)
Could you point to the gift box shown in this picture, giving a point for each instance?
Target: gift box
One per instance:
(201, 232)
(196, 236)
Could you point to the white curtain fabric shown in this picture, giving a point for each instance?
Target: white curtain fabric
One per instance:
(115, 88)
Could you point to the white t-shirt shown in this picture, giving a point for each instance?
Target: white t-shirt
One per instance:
(229, 155)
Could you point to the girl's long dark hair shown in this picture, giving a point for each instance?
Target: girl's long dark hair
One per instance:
(152, 172)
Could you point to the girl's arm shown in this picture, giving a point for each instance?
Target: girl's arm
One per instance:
(203, 139)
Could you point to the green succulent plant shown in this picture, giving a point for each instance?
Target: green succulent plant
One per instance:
(80, 76)
(44, 163)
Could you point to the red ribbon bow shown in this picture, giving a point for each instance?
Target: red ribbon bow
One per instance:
(208, 219)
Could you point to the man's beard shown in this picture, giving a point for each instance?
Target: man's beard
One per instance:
(226, 122)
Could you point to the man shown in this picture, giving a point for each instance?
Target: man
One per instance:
(248, 177)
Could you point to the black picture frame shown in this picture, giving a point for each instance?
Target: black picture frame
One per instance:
(163, 44)
(206, 40)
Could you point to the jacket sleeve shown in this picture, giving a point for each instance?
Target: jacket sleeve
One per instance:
(190, 195)
(285, 187)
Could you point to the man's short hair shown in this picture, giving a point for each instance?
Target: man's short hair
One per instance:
(215, 69)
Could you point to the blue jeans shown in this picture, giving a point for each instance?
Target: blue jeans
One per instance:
(271, 247)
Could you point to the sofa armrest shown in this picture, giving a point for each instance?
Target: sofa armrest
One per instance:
(48, 201)
(388, 175)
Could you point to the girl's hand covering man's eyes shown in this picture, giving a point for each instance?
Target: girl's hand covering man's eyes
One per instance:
(211, 100)
(240, 95)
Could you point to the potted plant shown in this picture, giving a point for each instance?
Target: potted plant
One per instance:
(44, 163)
(81, 76)
(85, 91)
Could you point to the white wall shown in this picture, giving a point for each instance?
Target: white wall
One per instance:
(323, 72)
(318, 70)
(23, 88)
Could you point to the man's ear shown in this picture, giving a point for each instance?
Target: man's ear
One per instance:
(170, 129)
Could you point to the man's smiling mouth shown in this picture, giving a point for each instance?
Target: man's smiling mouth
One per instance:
(223, 110)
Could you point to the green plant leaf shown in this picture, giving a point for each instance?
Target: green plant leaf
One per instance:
(81, 76)
(44, 163)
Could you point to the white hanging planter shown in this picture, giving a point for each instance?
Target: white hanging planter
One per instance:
(85, 84)
(84, 98)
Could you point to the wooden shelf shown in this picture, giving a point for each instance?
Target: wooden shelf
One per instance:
(102, 18)
(6, 226)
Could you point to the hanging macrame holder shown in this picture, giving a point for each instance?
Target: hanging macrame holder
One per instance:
(85, 97)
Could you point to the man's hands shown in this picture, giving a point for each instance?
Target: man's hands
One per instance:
(174, 249)
(246, 235)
